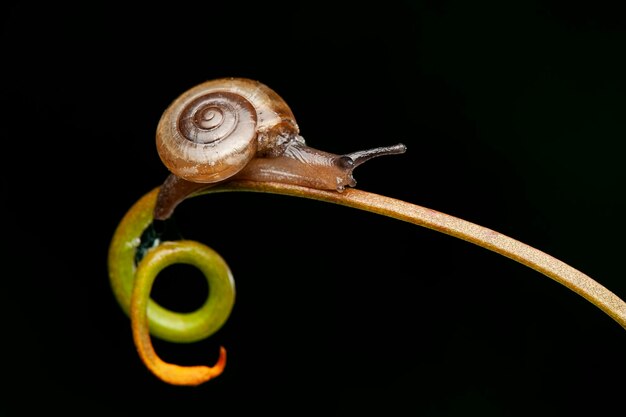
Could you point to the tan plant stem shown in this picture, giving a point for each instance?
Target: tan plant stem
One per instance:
(533, 258)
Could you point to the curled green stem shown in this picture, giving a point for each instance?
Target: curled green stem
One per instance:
(221, 299)
(131, 285)
(166, 324)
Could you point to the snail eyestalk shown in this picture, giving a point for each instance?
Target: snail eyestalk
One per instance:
(360, 157)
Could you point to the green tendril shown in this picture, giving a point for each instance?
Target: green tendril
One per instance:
(204, 321)
(163, 323)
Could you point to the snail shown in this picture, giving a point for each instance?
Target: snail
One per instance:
(238, 128)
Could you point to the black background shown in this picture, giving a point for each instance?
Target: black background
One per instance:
(513, 114)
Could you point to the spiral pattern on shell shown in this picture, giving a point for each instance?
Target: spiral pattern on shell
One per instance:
(207, 136)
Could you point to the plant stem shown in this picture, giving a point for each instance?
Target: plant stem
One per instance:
(126, 278)
(533, 258)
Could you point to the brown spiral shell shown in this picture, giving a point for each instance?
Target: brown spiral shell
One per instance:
(213, 130)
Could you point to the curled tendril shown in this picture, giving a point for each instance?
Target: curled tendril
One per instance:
(218, 305)
(132, 284)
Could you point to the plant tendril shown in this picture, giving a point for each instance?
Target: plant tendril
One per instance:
(131, 284)
(155, 261)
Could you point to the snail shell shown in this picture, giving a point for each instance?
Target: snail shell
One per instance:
(213, 130)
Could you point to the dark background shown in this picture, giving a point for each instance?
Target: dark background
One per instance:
(513, 114)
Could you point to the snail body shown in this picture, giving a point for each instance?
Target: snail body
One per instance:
(238, 128)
